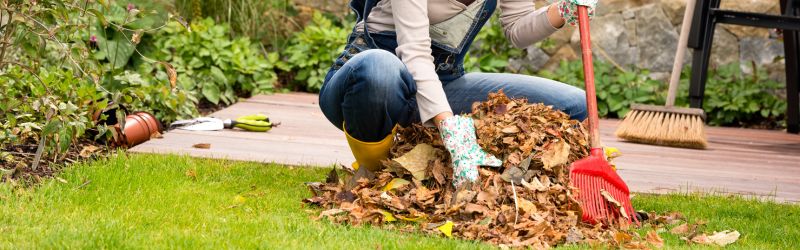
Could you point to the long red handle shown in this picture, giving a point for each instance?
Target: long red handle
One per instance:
(588, 72)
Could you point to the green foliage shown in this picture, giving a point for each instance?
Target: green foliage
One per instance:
(52, 104)
(491, 50)
(616, 89)
(62, 62)
(733, 98)
(271, 22)
(210, 65)
(314, 49)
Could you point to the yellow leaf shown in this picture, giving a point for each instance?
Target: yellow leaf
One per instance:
(416, 160)
(395, 183)
(556, 154)
(387, 217)
(612, 152)
(447, 229)
(239, 199)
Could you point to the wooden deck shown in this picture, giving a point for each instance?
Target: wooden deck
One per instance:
(740, 161)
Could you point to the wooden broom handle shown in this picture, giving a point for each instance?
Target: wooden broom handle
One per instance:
(588, 76)
(683, 40)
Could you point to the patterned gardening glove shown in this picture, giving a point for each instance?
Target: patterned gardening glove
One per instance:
(458, 135)
(568, 9)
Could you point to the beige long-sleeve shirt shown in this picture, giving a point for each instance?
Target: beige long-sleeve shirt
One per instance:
(523, 25)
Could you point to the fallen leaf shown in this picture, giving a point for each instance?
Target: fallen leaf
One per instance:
(88, 150)
(574, 236)
(191, 173)
(395, 183)
(556, 154)
(702, 239)
(683, 229)
(526, 205)
(333, 177)
(653, 238)
(513, 174)
(239, 199)
(475, 208)
(622, 238)
(447, 229)
(607, 196)
(513, 129)
(59, 179)
(724, 238)
(330, 213)
(171, 74)
(202, 145)
(387, 216)
(416, 160)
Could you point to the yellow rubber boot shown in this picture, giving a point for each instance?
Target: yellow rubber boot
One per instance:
(370, 154)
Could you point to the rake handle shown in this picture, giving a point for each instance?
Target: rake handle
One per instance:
(588, 76)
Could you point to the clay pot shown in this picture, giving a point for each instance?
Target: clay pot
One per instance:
(140, 127)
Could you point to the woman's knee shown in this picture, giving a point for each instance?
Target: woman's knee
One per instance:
(575, 104)
(378, 67)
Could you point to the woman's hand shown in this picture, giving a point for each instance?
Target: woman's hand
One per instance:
(568, 10)
(458, 135)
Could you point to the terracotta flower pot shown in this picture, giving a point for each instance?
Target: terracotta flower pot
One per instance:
(140, 127)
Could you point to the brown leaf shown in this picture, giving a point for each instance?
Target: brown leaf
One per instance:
(607, 196)
(683, 229)
(556, 154)
(416, 160)
(88, 150)
(526, 205)
(724, 238)
(475, 208)
(653, 238)
(513, 129)
(202, 145)
(171, 74)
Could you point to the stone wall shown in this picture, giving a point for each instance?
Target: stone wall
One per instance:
(644, 33)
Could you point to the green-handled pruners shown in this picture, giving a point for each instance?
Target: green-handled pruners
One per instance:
(255, 123)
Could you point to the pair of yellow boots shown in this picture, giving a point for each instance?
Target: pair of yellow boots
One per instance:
(370, 154)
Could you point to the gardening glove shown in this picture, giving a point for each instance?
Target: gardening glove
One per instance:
(458, 135)
(568, 9)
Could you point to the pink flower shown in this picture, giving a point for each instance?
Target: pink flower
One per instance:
(93, 39)
(131, 7)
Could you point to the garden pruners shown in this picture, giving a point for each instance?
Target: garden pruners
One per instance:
(254, 123)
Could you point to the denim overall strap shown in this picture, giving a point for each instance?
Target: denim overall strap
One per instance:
(362, 8)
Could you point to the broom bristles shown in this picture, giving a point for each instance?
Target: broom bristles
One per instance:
(663, 128)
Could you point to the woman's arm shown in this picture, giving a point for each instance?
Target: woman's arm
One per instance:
(414, 49)
(524, 25)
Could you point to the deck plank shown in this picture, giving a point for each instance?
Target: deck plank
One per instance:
(738, 161)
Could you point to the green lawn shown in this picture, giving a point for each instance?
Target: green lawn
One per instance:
(148, 201)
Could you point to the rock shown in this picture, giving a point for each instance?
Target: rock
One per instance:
(762, 51)
(564, 53)
(534, 61)
(559, 38)
(757, 6)
(657, 39)
(615, 6)
(611, 40)
(725, 49)
(674, 9)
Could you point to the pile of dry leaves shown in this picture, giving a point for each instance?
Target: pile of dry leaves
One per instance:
(526, 202)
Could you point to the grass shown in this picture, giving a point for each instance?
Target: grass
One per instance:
(149, 201)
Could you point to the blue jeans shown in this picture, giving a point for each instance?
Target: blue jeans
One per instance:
(373, 91)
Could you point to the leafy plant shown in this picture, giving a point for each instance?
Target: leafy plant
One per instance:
(314, 49)
(271, 22)
(210, 65)
(491, 50)
(616, 89)
(733, 98)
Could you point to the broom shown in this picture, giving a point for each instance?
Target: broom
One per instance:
(603, 195)
(668, 125)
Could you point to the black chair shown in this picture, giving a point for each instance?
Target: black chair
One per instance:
(706, 17)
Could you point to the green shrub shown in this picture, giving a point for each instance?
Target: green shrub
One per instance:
(491, 50)
(616, 90)
(313, 50)
(210, 65)
(271, 22)
(735, 99)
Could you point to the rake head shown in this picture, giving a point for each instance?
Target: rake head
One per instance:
(599, 187)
